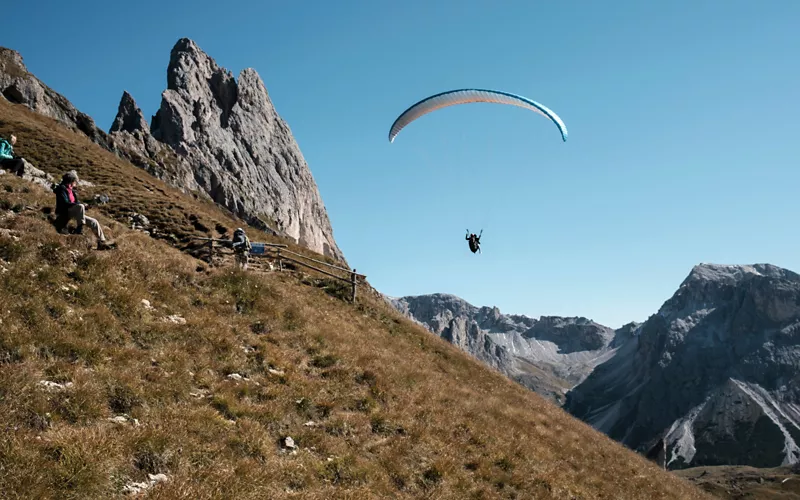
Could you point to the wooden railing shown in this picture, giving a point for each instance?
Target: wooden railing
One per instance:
(281, 254)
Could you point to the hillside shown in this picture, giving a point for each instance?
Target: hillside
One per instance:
(142, 364)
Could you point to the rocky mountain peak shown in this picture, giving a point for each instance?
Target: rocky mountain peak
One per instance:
(709, 285)
(230, 144)
(726, 274)
(714, 373)
(192, 73)
(571, 334)
(11, 61)
(129, 117)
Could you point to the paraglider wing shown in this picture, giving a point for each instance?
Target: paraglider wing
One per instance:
(464, 96)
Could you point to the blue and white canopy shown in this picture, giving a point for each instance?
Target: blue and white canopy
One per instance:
(464, 96)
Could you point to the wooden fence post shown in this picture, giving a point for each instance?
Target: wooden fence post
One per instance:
(280, 262)
(353, 283)
(211, 252)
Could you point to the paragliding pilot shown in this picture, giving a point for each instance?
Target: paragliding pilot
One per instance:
(474, 241)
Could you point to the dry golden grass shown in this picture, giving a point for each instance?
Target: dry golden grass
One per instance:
(740, 481)
(378, 407)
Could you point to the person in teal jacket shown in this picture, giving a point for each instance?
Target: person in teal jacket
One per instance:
(7, 148)
(8, 160)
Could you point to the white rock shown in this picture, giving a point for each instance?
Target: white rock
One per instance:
(134, 488)
(174, 318)
(54, 386)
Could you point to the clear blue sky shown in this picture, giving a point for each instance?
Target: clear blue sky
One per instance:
(683, 122)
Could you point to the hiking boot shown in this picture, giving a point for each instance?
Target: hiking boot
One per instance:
(106, 245)
(78, 230)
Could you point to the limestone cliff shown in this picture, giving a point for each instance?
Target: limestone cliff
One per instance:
(224, 138)
(212, 135)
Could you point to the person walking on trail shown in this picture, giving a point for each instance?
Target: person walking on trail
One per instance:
(474, 241)
(241, 248)
(8, 160)
(68, 207)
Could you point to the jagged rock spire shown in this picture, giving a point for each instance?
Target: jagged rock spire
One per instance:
(129, 117)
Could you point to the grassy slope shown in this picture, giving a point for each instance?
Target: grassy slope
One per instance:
(399, 412)
(742, 482)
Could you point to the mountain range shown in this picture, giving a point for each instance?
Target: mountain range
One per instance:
(712, 378)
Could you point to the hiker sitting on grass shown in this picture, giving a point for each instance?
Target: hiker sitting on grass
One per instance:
(8, 160)
(68, 207)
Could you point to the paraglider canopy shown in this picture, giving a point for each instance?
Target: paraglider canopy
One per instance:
(464, 96)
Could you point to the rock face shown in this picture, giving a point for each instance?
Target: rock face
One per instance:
(129, 117)
(712, 379)
(548, 355)
(715, 373)
(224, 138)
(20, 87)
(33, 174)
(212, 136)
(131, 139)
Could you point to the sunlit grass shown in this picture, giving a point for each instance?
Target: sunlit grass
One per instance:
(99, 389)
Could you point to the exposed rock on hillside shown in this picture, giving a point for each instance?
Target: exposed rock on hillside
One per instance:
(716, 373)
(224, 138)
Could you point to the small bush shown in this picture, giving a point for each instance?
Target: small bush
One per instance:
(11, 251)
(123, 399)
(325, 361)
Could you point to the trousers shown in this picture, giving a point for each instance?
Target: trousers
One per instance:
(78, 213)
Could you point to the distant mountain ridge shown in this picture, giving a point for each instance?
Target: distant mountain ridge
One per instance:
(548, 355)
(713, 376)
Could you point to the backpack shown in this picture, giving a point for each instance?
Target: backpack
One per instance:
(243, 242)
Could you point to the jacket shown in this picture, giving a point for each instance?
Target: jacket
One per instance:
(241, 243)
(62, 199)
(6, 150)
